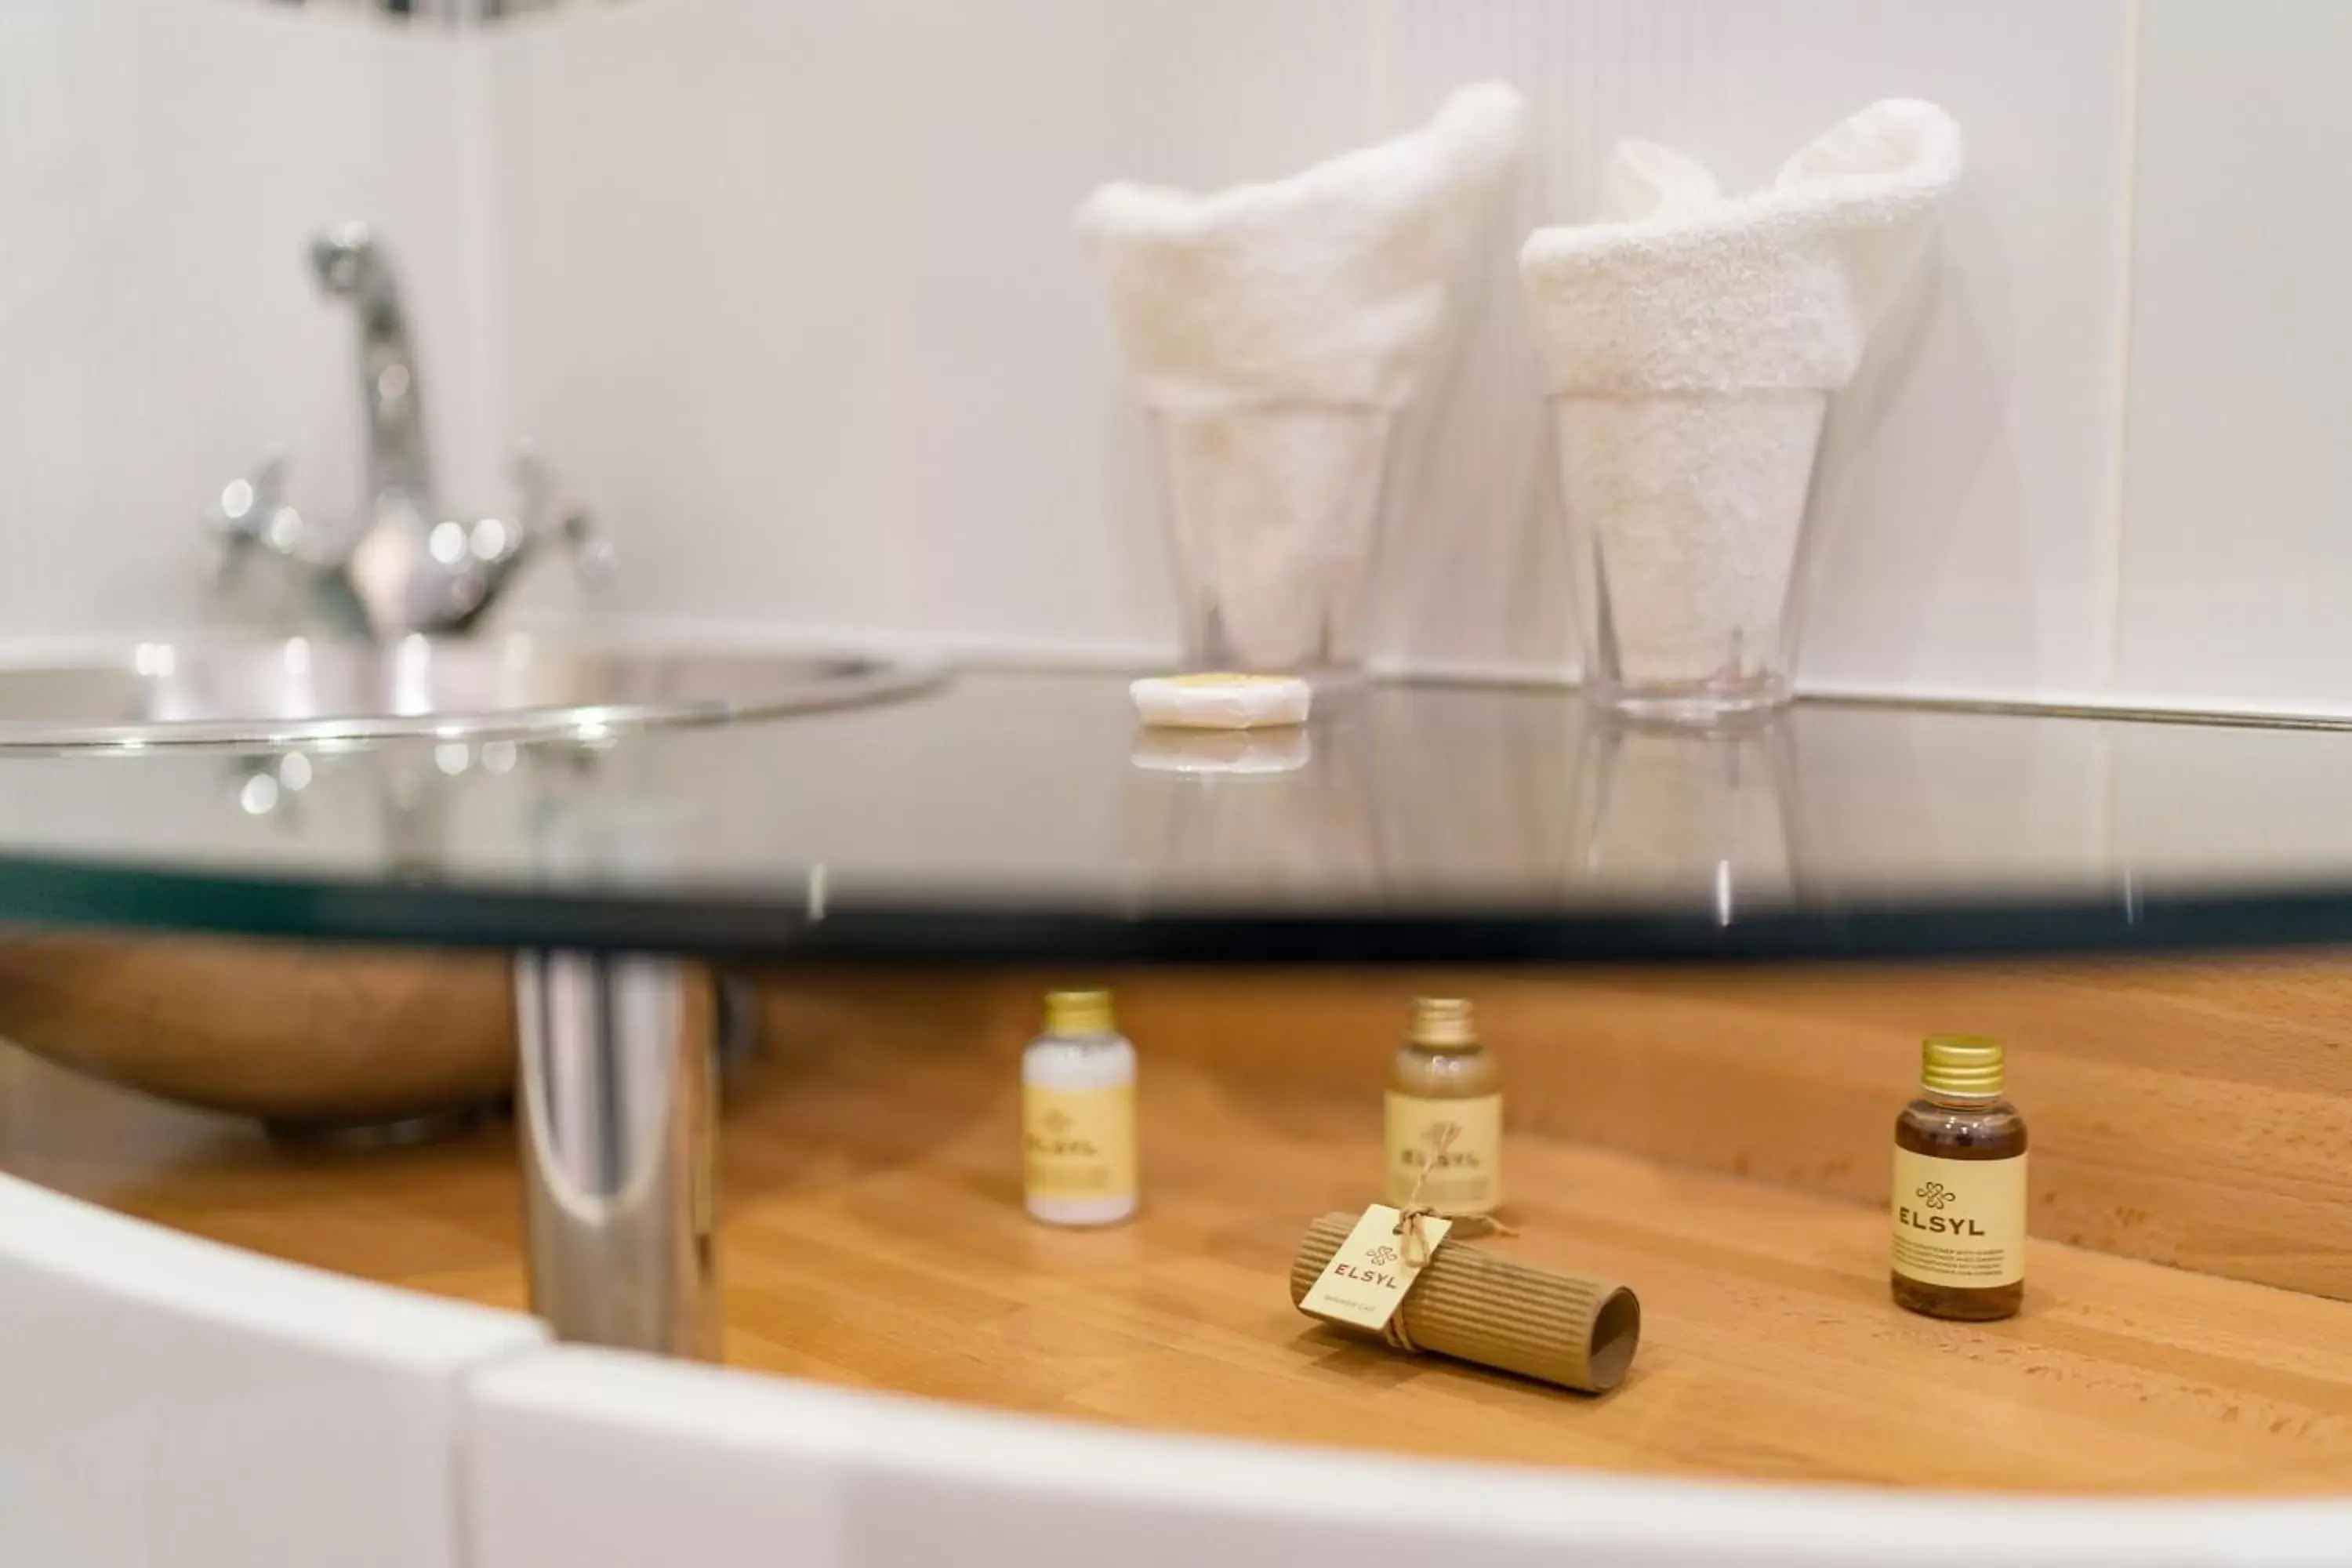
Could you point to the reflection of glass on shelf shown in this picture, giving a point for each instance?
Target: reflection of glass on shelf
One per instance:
(1253, 811)
(1679, 813)
(1435, 810)
(1475, 782)
(423, 806)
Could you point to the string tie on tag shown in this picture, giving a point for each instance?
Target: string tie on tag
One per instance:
(1416, 1251)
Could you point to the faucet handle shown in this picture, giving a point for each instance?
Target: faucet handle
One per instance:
(347, 260)
(251, 511)
(549, 510)
(592, 555)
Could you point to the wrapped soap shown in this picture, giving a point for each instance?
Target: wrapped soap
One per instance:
(1231, 753)
(1221, 702)
(1478, 1305)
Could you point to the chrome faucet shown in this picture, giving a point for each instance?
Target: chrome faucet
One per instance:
(350, 266)
(406, 566)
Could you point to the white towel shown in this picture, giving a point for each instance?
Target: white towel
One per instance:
(1327, 286)
(1643, 182)
(1274, 329)
(1678, 288)
(1691, 343)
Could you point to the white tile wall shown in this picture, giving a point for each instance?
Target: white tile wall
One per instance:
(689, 197)
(788, 291)
(1964, 513)
(163, 164)
(1017, 470)
(791, 289)
(2238, 565)
(901, 290)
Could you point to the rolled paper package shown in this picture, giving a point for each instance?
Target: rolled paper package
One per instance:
(1478, 1305)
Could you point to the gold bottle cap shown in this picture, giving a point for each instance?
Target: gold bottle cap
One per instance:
(1962, 1064)
(1077, 1012)
(1443, 1023)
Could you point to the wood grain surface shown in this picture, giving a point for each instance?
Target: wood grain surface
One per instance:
(872, 1235)
(2196, 1113)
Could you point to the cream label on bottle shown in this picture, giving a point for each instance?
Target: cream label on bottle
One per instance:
(1468, 1179)
(1078, 1142)
(1959, 1223)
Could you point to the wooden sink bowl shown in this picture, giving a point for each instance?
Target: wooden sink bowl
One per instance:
(299, 1034)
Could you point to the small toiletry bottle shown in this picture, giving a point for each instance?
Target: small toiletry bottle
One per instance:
(1959, 1186)
(1443, 1077)
(1077, 1115)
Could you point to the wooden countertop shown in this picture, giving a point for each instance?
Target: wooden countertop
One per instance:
(873, 1237)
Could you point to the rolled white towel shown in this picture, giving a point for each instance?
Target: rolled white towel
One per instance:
(1326, 286)
(1692, 342)
(1643, 182)
(1680, 289)
(1273, 331)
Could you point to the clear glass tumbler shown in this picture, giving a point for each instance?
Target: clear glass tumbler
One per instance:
(1685, 512)
(1274, 511)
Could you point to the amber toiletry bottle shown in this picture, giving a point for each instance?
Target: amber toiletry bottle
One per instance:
(1444, 1091)
(1959, 1186)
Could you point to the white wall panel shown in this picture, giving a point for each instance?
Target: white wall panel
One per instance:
(1016, 461)
(913, 422)
(1964, 516)
(689, 199)
(788, 292)
(163, 165)
(2238, 564)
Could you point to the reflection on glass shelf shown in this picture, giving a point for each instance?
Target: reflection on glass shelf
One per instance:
(1687, 815)
(1012, 795)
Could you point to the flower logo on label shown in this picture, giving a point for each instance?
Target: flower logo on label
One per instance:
(1935, 1196)
(1381, 1255)
(1056, 1122)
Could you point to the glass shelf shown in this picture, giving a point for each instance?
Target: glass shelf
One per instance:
(1024, 818)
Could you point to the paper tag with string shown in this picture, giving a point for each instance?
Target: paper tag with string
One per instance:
(1366, 1280)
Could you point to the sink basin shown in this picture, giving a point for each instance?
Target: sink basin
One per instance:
(361, 1041)
(327, 1039)
(514, 687)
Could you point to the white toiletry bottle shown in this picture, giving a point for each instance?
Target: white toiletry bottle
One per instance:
(1077, 1115)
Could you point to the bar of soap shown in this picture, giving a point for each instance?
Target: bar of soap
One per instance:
(1221, 701)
